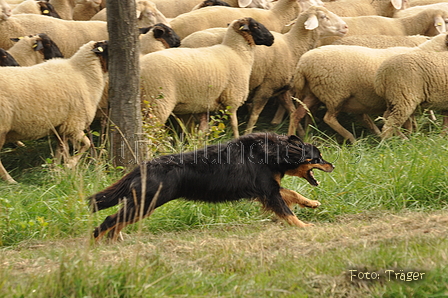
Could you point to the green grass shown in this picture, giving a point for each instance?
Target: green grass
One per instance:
(383, 208)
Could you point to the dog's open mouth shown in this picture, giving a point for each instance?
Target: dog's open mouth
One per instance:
(306, 171)
(310, 178)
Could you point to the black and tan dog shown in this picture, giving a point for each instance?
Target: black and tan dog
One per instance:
(251, 167)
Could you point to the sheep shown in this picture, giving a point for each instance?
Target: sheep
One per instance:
(86, 9)
(425, 2)
(206, 3)
(68, 35)
(351, 8)
(189, 81)
(34, 49)
(411, 79)
(382, 41)
(31, 107)
(64, 8)
(6, 59)
(5, 10)
(36, 7)
(156, 38)
(422, 23)
(273, 67)
(416, 9)
(173, 8)
(342, 78)
(220, 16)
(147, 14)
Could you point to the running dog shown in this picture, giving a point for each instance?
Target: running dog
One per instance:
(249, 167)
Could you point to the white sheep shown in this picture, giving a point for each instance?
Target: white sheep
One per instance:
(5, 10)
(382, 41)
(34, 49)
(65, 108)
(147, 14)
(189, 81)
(173, 8)
(220, 16)
(351, 8)
(274, 66)
(342, 78)
(86, 9)
(68, 35)
(423, 23)
(409, 80)
(64, 8)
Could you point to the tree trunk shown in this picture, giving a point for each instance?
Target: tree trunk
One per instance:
(126, 138)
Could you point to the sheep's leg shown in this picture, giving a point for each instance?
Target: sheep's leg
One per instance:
(370, 124)
(285, 104)
(84, 145)
(445, 122)
(331, 119)
(301, 111)
(279, 115)
(234, 122)
(259, 101)
(397, 117)
(3, 173)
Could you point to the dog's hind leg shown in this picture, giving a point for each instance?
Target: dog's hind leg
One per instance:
(291, 197)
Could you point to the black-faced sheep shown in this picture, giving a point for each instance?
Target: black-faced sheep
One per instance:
(64, 8)
(189, 81)
(34, 49)
(342, 78)
(157, 37)
(67, 108)
(68, 35)
(411, 79)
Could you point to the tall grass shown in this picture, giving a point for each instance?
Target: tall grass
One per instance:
(189, 249)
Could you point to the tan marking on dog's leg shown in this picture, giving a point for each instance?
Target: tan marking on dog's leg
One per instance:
(291, 197)
(294, 221)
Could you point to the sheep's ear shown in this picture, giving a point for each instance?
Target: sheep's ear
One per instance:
(158, 32)
(144, 30)
(440, 24)
(397, 3)
(16, 39)
(244, 3)
(38, 45)
(312, 22)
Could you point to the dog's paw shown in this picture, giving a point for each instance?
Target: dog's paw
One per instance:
(310, 204)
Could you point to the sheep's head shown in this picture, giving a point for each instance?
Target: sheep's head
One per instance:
(47, 9)
(5, 10)
(254, 32)
(166, 35)
(323, 21)
(101, 49)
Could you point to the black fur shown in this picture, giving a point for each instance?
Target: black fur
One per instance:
(213, 3)
(246, 167)
(6, 59)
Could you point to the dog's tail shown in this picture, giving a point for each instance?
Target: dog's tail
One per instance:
(112, 195)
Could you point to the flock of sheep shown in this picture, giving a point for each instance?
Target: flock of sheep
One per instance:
(364, 57)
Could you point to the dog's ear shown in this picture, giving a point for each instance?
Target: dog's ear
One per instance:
(295, 140)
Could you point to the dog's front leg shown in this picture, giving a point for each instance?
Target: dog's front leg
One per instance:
(291, 197)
